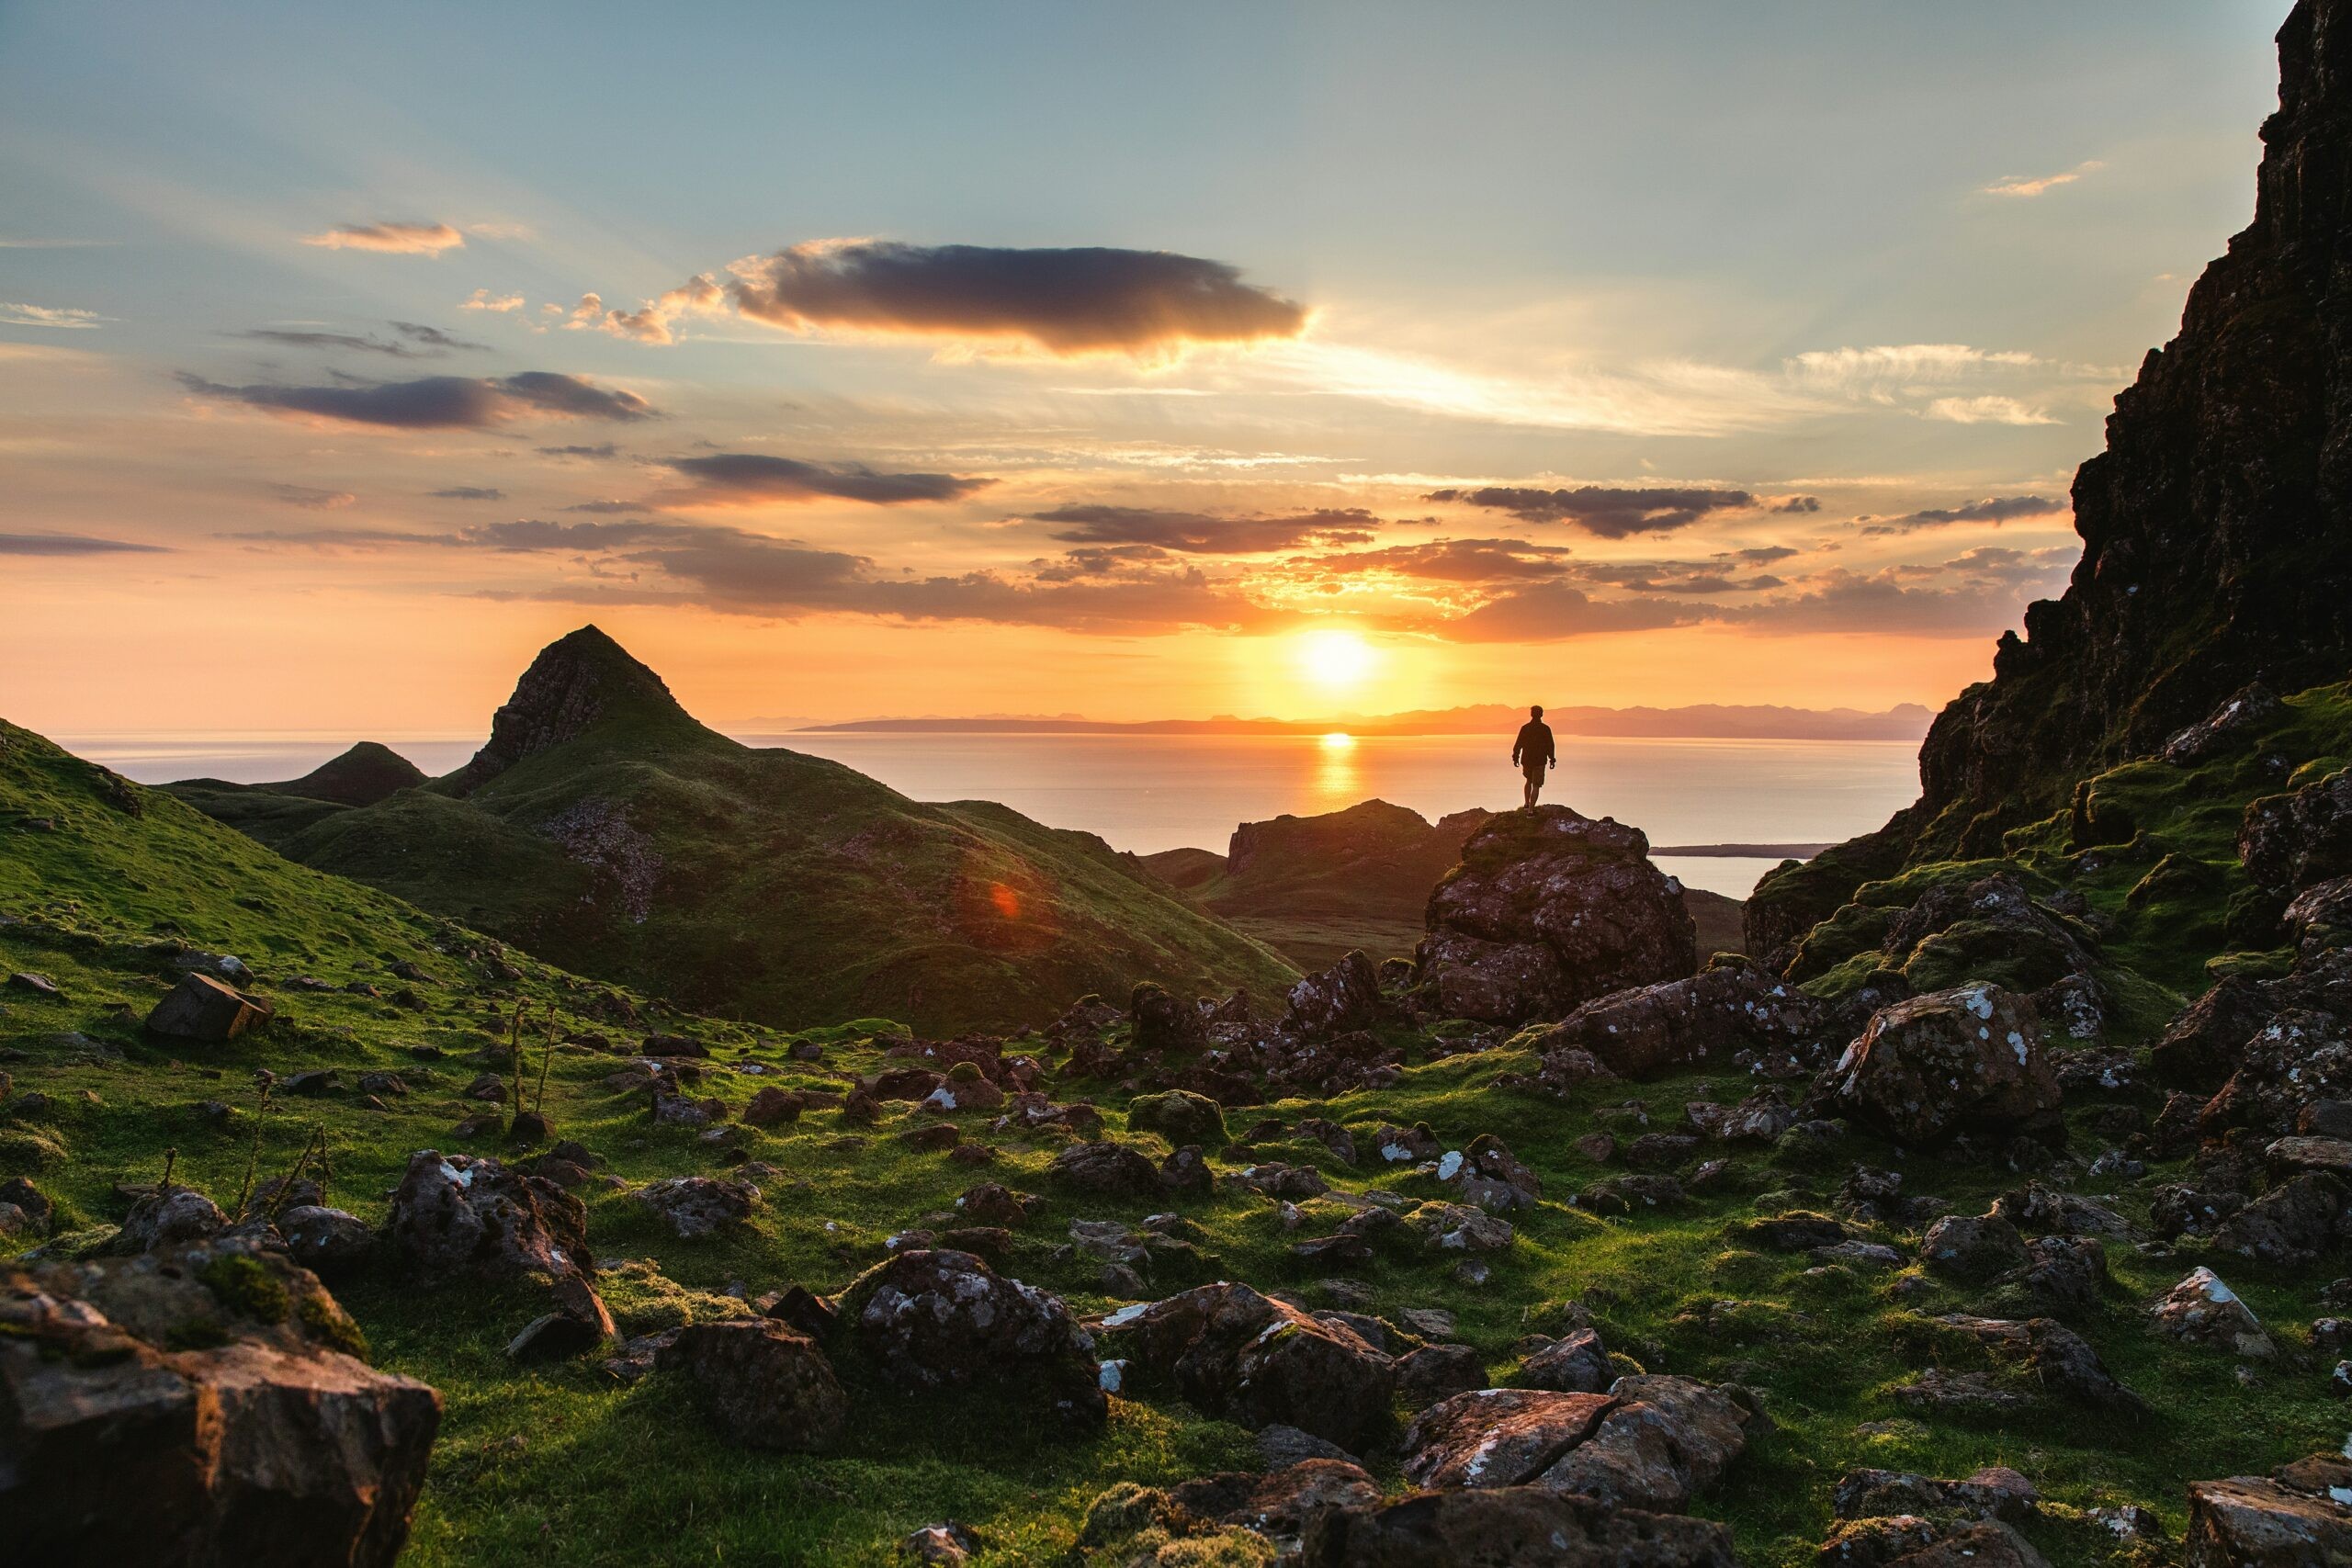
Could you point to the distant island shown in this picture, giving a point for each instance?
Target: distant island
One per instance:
(1704, 721)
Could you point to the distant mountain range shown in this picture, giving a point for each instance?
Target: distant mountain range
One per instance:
(1906, 721)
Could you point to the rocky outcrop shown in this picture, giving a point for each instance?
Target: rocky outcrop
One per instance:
(1246, 1358)
(1343, 997)
(575, 682)
(938, 1320)
(2294, 1517)
(2217, 525)
(1648, 1443)
(1966, 1060)
(2286, 843)
(1547, 910)
(271, 1446)
(1729, 1006)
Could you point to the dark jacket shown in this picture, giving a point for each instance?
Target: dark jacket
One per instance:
(1535, 744)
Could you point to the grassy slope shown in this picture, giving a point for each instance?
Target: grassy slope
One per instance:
(772, 885)
(2169, 886)
(554, 1465)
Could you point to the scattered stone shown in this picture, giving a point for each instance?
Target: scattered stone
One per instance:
(1180, 1116)
(1649, 1442)
(1965, 1060)
(1435, 1372)
(695, 1206)
(1509, 1526)
(1730, 1007)
(2294, 1518)
(1341, 1000)
(1107, 1170)
(328, 1242)
(1456, 1227)
(1577, 1364)
(202, 1008)
(934, 1320)
(2201, 1310)
(759, 1383)
(1974, 1247)
(1233, 1353)
(772, 1106)
(170, 1218)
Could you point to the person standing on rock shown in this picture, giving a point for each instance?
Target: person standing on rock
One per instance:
(1532, 752)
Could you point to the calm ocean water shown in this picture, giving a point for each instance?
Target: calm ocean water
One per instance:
(1165, 792)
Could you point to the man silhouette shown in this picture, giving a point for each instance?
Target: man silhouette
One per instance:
(1532, 752)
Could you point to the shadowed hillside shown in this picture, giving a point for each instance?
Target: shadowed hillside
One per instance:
(604, 828)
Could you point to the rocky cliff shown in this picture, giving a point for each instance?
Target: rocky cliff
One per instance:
(2217, 525)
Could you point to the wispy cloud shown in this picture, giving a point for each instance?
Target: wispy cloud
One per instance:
(389, 238)
(1604, 510)
(71, 545)
(1993, 510)
(1985, 409)
(413, 340)
(470, 493)
(2036, 184)
(746, 479)
(483, 299)
(1196, 533)
(436, 403)
(15, 314)
(313, 496)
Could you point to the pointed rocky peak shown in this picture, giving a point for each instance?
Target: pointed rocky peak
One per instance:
(578, 683)
(362, 776)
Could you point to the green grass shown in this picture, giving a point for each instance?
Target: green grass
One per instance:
(555, 1464)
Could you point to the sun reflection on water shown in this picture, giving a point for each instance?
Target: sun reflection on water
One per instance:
(1337, 782)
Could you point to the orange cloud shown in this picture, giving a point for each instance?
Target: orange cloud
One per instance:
(390, 238)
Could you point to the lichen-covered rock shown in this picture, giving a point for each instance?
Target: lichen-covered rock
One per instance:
(2201, 1310)
(2052, 1356)
(328, 1242)
(934, 1320)
(1246, 1358)
(270, 1447)
(2295, 1517)
(1456, 1227)
(1576, 1364)
(1965, 1060)
(1337, 1000)
(1510, 1527)
(1729, 1006)
(1179, 1115)
(1106, 1169)
(2290, 1225)
(2300, 1057)
(759, 1383)
(2290, 841)
(171, 1217)
(1549, 909)
(1649, 1442)
(695, 1206)
(1973, 1247)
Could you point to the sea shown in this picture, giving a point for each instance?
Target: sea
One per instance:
(1164, 791)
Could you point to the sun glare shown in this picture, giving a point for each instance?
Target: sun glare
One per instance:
(1336, 661)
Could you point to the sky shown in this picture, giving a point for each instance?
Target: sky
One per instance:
(1117, 361)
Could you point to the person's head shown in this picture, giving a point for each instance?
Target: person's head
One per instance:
(1535, 712)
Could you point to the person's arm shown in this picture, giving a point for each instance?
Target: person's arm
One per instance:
(1519, 744)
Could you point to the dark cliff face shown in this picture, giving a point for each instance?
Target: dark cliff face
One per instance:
(578, 681)
(2217, 525)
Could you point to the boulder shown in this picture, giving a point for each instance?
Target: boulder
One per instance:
(1994, 1492)
(2201, 1046)
(1164, 1023)
(200, 1007)
(1438, 1371)
(933, 1320)
(273, 1448)
(771, 1106)
(1973, 1247)
(171, 1217)
(2293, 1519)
(2290, 1225)
(1339, 999)
(1547, 910)
(1455, 1227)
(1649, 1442)
(2300, 1057)
(2248, 708)
(2290, 841)
(1509, 1526)
(1179, 1115)
(328, 1242)
(1965, 1060)
(2201, 1310)
(464, 1217)
(1577, 1364)
(761, 1385)
(1246, 1358)
(1107, 1170)
(2051, 1355)
(1729, 1006)
(695, 1206)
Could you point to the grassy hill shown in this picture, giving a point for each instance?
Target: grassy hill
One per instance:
(1314, 887)
(604, 828)
(102, 882)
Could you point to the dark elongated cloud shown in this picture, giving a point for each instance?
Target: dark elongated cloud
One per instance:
(470, 493)
(1554, 611)
(600, 449)
(1467, 561)
(1798, 503)
(313, 498)
(1996, 510)
(436, 403)
(1761, 555)
(1064, 301)
(410, 239)
(1200, 532)
(71, 544)
(413, 340)
(1603, 511)
(736, 479)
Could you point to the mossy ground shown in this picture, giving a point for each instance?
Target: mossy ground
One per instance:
(557, 1464)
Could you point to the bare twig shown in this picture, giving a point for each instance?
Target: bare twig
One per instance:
(253, 1155)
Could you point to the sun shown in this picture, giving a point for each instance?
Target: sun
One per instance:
(1336, 661)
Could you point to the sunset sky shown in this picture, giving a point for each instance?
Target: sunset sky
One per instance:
(1130, 362)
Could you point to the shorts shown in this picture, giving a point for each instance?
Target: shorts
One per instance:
(1534, 771)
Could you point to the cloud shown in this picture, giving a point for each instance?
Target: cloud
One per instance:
(744, 478)
(1880, 603)
(312, 498)
(1465, 561)
(71, 545)
(1609, 513)
(390, 238)
(436, 403)
(1071, 301)
(651, 322)
(416, 341)
(1554, 611)
(2035, 184)
(600, 449)
(1994, 509)
(1762, 554)
(470, 493)
(1196, 533)
(483, 299)
(16, 314)
(1798, 503)
(1985, 411)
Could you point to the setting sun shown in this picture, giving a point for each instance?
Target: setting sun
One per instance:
(1336, 660)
